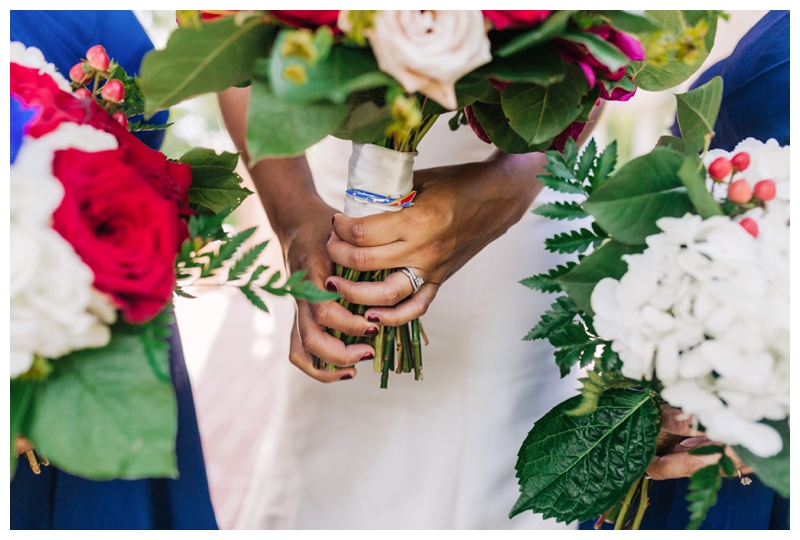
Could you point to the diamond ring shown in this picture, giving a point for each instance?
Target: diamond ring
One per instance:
(416, 281)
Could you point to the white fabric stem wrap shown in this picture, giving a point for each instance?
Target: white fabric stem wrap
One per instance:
(378, 170)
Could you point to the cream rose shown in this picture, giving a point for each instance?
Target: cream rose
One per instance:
(428, 51)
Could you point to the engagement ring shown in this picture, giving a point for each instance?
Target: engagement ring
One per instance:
(416, 281)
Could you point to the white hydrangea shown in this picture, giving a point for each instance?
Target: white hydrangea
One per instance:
(54, 309)
(705, 309)
(33, 58)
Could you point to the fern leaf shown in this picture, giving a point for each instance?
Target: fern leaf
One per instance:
(254, 298)
(561, 313)
(559, 184)
(570, 242)
(547, 282)
(605, 165)
(571, 153)
(245, 261)
(227, 249)
(560, 210)
(586, 161)
(703, 488)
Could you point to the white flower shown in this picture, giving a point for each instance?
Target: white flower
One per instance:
(54, 309)
(33, 58)
(768, 161)
(428, 51)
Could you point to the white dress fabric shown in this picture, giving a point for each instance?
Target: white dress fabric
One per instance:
(435, 454)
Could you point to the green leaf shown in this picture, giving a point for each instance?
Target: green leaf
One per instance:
(604, 165)
(538, 113)
(334, 77)
(205, 157)
(707, 450)
(551, 27)
(245, 261)
(495, 123)
(703, 488)
(629, 22)
(586, 161)
(679, 145)
(559, 184)
(560, 210)
(366, 123)
(155, 335)
(305, 290)
(468, 90)
(573, 346)
(655, 78)
(561, 313)
(642, 191)
(20, 397)
(196, 61)
(773, 470)
(697, 112)
(103, 413)
(604, 262)
(547, 282)
(541, 65)
(572, 241)
(277, 128)
(603, 51)
(573, 468)
(571, 153)
(692, 174)
(217, 189)
(254, 298)
(226, 251)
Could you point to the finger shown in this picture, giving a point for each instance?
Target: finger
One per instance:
(333, 315)
(675, 421)
(413, 308)
(304, 361)
(368, 258)
(318, 342)
(678, 465)
(388, 292)
(375, 230)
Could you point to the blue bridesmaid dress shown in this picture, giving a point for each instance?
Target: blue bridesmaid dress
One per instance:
(55, 499)
(755, 103)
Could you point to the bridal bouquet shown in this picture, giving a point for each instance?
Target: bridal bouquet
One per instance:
(523, 80)
(680, 297)
(102, 226)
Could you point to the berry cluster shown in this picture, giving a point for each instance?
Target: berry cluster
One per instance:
(739, 191)
(94, 69)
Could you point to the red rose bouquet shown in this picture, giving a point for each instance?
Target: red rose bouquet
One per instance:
(103, 230)
(525, 81)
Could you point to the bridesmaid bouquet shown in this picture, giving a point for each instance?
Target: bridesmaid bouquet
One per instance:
(102, 226)
(523, 80)
(681, 297)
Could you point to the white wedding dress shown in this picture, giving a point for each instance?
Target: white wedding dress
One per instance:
(436, 454)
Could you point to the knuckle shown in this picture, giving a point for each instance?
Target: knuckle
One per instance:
(358, 232)
(321, 312)
(391, 296)
(359, 260)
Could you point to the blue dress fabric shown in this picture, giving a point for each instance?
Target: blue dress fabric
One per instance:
(58, 500)
(755, 103)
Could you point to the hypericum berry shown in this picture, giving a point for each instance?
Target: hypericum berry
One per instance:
(98, 58)
(121, 118)
(764, 190)
(720, 168)
(113, 91)
(76, 74)
(740, 192)
(750, 226)
(82, 93)
(741, 161)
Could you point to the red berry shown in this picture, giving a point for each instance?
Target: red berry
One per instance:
(82, 93)
(741, 161)
(113, 91)
(750, 226)
(740, 192)
(77, 74)
(121, 118)
(98, 58)
(720, 168)
(764, 190)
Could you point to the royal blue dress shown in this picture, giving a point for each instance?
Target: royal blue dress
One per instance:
(55, 499)
(755, 103)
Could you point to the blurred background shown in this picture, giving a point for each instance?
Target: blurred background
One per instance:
(232, 350)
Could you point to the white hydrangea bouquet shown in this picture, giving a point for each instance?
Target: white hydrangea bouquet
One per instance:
(680, 296)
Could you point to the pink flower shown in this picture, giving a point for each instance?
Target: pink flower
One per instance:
(475, 124)
(516, 19)
(308, 18)
(572, 132)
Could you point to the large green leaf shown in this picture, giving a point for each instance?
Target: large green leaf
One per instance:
(21, 395)
(655, 78)
(209, 58)
(551, 27)
(774, 470)
(573, 468)
(539, 113)
(107, 413)
(343, 71)
(495, 124)
(540, 65)
(215, 185)
(697, 112)
(603, 51)
(468, 90)
(677, 144)
(693, 175)
(647, 188)
(629, 22)
(366, 123)
(604, 262)
(276, 128)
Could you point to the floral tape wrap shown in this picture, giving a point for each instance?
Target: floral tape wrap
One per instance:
(378, 170)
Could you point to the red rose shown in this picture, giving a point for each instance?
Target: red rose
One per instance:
(55, 105)
(516, 19)
(571, 132)
(120, 226)
(308, 18)
(475, 124)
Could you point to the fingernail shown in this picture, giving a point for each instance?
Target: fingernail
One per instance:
(371, 331)
(367, 356)
(331, 286)
(346, 377)
(691, 442)
(333, 220)
(373, 318)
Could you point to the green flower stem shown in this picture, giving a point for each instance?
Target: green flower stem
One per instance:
(408, 352)
(388, 355)
(644, 502)
(416, 350)
(377, 361)
(626, 505)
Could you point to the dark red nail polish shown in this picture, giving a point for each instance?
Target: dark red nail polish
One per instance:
(371, 331)
(367, 356)
(373, 318)
(346, 377)
(331, 286)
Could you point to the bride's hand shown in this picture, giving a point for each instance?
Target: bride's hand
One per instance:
(458, 211)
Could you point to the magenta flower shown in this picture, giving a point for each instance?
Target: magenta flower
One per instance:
(516, 19)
